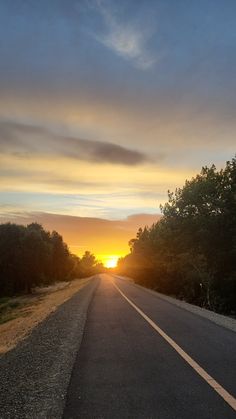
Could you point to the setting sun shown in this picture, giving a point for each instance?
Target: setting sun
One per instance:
(111, 262)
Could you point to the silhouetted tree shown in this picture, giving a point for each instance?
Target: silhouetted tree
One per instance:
(88, 264)
(191, 251)
(31, 256)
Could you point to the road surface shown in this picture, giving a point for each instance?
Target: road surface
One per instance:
(150, 363)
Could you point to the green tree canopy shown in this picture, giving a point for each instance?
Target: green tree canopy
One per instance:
(191, 251)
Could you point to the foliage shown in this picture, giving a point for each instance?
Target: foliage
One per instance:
(31, 256)
(191, 251)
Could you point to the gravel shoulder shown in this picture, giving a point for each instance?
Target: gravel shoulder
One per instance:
(30, 310)
(225, 321)
(34, 376)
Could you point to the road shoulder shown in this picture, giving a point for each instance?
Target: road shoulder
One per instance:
(34, 376)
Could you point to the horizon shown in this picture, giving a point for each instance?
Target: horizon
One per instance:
(86, 229)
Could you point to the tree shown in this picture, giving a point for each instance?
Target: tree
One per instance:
(191, 251)
(60, 262)
(88, 264)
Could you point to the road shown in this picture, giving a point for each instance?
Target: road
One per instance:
(158, 366)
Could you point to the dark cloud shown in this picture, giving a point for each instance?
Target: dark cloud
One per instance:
(22, 139)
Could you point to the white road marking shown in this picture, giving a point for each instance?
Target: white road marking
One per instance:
(210, 380)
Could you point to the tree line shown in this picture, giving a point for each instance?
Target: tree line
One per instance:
(191, 252)
(31, 256)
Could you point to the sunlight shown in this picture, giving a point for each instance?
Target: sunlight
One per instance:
(111, 262)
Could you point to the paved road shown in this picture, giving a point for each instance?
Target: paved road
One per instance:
(126, 369)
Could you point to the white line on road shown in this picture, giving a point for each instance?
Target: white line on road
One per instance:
(210, 380)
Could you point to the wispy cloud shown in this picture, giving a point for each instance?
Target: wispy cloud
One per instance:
(128, 40)
(24, 139)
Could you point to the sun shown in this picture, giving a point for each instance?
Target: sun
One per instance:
(111, 262)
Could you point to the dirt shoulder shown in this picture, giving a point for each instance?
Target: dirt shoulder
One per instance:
(21, 314)
(34, 376)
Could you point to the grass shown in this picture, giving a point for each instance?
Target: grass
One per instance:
(4, 300)
(8, 309)
(21, 306)
(7, 317)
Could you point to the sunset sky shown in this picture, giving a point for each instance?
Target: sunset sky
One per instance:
(105, 105)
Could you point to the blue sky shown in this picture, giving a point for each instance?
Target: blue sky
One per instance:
(106, 105)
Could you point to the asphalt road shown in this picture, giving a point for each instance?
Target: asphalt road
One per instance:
(126, 369)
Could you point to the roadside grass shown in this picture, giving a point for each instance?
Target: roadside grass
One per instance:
(10, 308)
(22, 306)
(20, 314)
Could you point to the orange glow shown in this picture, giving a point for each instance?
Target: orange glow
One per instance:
(111, 261)
(106, 239)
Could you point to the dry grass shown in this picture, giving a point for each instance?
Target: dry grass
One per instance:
(19, 315)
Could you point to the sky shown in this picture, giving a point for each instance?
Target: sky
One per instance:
(106, 105)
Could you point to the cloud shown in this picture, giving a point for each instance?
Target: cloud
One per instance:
(25, 139)
(101, 236)
(125, 39)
